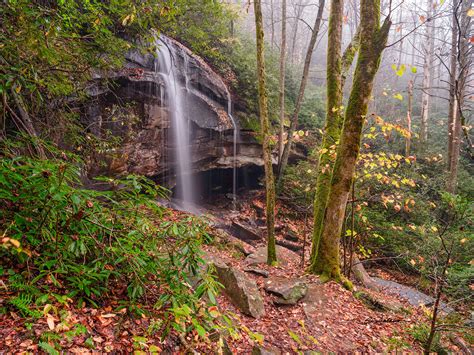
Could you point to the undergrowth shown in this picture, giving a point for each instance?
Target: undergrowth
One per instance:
(61, 241)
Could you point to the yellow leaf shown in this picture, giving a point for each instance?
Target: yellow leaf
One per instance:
(15, 243)
(108, 315)
(50, 321)
(125, 20)
(413, 262)
(470, 12)
(463, 240)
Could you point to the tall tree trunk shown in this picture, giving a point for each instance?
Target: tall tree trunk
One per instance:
(409, 116)
(452, 83)
(465, 61)
(299, 99)
(427, 75)
(282, 80)
(265, 128)
(332, 129)
(298, 12)
(272, 19)
(336, 78)
(373, 41)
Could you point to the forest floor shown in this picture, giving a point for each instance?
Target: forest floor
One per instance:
(329, 318)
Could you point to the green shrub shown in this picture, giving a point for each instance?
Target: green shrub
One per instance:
(59, 238)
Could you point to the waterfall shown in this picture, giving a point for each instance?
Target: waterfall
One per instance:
(176, 96)
(235, 139)
(174, 93)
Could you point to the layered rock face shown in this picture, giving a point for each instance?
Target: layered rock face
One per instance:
(134, 106)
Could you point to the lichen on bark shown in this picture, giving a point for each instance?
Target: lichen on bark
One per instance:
(332, 126)
(373, 41)
(265, 133)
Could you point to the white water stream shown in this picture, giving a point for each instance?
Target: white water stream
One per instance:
(176, 93)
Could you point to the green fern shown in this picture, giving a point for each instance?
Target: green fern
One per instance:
(17, 282)
(22, 303)
(48, 348)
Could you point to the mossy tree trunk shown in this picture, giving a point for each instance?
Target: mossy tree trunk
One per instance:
(337, 71)
(299, 100)
(332, 127)
(265, 128)
(372, 43)
(282, 80)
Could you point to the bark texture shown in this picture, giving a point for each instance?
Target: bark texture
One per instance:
(464, 59)
(373, 42)
(299, 99)
(427, 75)
(452, 83)
(409, 115)
(333, 123)
(265, 128)
(282, 80)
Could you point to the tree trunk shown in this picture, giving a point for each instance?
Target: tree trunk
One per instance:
(265, 128)
(27, 122)
(299, 100)
(373, 41)
(332, 129)
(272, 25)
(409, 115)
(464, 61)
(452, 84)
(362, 275)
(427, 75)
(282, 80)
(295, 30)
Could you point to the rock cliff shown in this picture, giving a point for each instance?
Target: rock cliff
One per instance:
(132, 104)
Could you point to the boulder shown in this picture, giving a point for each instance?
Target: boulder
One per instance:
(289, 291)
(292, 236)
(379, 304)
(284, 256)
(414, 297)
(245, 233)
(257, 271)
(260, 350)
(315, 302)
(241, 290)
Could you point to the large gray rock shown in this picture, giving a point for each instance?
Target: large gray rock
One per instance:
(414, 297)
(284, 256)
(133, 106)
(315, 302)
(289, 291)
(241, 290)
(260, 350)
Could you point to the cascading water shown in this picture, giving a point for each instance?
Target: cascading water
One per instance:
(236, 135)
(176, 96)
